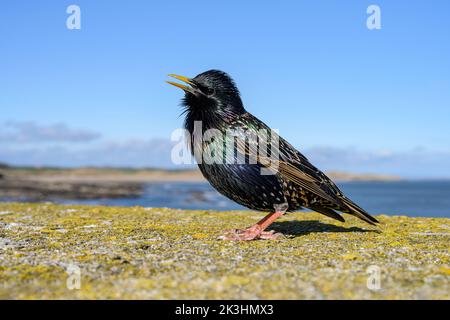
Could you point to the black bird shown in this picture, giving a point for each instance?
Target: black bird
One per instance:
(213, 98)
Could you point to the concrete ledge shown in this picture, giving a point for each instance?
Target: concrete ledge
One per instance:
(162, 253)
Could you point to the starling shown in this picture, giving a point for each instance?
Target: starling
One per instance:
(213, 101)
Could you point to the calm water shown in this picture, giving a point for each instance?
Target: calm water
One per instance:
(411, 198)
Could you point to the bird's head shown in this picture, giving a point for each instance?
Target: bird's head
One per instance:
(210, 92)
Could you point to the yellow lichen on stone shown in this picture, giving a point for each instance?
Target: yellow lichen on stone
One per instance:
(47, 250)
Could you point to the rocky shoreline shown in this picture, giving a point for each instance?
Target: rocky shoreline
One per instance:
(36, 190)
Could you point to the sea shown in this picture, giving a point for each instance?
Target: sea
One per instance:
(428, 198)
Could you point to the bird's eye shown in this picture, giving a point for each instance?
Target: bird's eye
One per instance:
(208, 91)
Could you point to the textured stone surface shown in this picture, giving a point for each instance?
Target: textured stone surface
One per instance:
(162, 253)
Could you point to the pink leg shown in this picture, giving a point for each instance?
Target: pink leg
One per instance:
(256, 231)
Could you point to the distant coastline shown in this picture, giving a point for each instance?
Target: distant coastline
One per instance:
(41, 184)
(106, 174)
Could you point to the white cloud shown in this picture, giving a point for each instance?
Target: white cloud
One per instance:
(126, 153)
(418, 162)
(30, 132)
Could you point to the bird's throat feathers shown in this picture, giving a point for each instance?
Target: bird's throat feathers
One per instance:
(213, 114)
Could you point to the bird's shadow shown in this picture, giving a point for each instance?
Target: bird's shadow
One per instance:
(302, 228)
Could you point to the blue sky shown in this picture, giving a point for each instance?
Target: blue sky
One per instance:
(350, 98)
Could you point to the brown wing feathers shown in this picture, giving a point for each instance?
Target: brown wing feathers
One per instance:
(290, 168)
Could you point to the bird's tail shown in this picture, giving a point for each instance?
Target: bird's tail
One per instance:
(354, 209)
(328, 212)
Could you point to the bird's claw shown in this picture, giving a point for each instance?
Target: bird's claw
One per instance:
(251, 233)
(270, 235)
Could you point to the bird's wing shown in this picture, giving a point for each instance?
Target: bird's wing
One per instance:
(295, 167)
(303, 167)
(291, 167)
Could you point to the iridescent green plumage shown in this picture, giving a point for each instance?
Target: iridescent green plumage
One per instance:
(215, 101)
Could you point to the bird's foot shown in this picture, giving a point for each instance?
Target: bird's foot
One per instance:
(251, 233)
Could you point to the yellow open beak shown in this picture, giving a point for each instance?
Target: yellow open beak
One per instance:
(179, 85)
